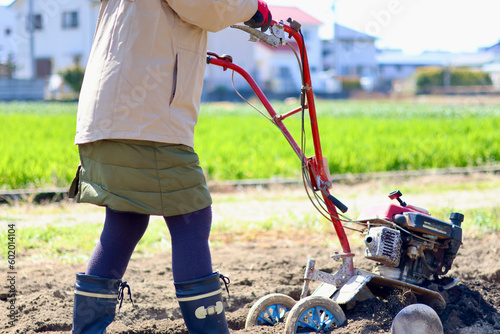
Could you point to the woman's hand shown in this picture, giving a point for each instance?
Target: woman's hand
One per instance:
(262, 18)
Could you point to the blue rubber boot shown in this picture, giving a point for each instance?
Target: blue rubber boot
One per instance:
(95, 303)
(200, 301)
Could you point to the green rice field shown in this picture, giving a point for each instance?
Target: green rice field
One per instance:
(235, 142)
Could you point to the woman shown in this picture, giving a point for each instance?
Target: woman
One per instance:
(138, 107)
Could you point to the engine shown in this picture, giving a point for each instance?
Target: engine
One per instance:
(410, 245)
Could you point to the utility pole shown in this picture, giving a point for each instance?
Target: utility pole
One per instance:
(334, 5)
(31, 25)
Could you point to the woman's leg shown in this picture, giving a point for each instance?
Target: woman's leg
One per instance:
(97, 290)
(191, 257)
(197, 287)
(121, 233)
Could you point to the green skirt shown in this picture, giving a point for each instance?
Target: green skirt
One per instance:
(141, 176)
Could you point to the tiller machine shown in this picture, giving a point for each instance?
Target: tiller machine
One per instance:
(413, 251)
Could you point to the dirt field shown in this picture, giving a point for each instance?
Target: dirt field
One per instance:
(275, 263)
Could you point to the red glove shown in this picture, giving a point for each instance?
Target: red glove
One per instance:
(262, 18)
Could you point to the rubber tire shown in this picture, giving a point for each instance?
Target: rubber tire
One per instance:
(310, 303)
(264, 303)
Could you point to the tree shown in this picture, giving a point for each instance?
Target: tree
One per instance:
(73, 77)
(431, 77)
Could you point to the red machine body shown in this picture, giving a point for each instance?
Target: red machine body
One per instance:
(384, 211)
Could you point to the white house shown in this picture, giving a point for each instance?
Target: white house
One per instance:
(493, 67)
(351, 53)
(62, 35)
(235, 43)
(279, 69)
(7, 33)
(395, 67)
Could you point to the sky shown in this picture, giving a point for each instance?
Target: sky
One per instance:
(414, 26)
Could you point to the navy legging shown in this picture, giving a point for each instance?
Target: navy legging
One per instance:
(122, 231)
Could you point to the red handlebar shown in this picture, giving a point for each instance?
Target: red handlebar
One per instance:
(317, 170)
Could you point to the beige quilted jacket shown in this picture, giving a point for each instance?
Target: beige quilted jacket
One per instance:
(145, 72)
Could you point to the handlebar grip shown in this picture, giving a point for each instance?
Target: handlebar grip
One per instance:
(341, 206)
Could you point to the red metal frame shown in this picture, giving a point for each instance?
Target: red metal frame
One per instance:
(315, 164)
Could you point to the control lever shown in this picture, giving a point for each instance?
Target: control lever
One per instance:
(397, 194)
(341, 206)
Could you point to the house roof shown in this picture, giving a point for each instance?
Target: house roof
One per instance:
(493, 48)
(472, 59)
(345, 33)
(435, 58)
(283, 13)
(425, 59)
(493, 67)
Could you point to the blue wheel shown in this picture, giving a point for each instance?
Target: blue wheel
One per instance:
(314, 314)
(269, 310)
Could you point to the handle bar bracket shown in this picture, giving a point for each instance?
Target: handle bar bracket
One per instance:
(274, 40)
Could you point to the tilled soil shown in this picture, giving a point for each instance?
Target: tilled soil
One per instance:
(274, 264)
(45, 291)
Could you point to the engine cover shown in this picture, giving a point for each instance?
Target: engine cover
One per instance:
(383, 244)
(418, 222)
(411, 245)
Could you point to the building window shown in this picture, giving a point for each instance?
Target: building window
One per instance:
(69, 20)
(43, 67)
(36, 22)
(77, 59)
(348, 46)
(359, 70)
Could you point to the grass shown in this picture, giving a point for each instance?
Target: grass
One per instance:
(357, 137)
(69, 244)
(36, 145)
(74, 243)
(69, 239)
(477, 221)
(234, 142)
